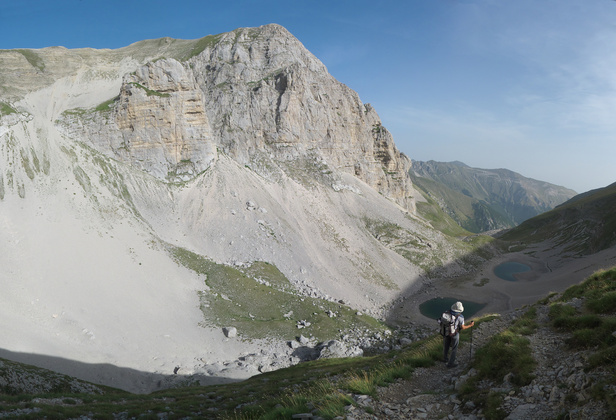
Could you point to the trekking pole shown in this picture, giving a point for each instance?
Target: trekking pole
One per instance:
(471, 349)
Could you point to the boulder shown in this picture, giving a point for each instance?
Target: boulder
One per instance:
(230, 332)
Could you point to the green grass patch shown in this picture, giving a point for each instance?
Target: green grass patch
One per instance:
(527, 323)
(592, 328)
(107, 105)
(201, 45)
(573, 323)
(605, 357)
(603, 304)
(260, 302)
(599, 290)
(482, 282)
(559, 310)
(506, 353)
(33, 58)
(150, 92)
(6, 109)
(491, 404)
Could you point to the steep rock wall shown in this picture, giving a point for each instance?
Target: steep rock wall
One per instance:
(257, 95)
(266, 92)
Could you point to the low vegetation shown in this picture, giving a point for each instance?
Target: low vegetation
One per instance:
(506, 354)
(6, 109)
(326, 387)
(591, 327)
(583, 225)
(33, 58)
(260, 302)
(150, 92)
(201, 45)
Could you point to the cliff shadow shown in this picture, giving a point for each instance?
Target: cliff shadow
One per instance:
(109, 375)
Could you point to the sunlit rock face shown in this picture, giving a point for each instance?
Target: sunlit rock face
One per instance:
(157, 123)
(266, 93)
(132, 180)
(257, 95)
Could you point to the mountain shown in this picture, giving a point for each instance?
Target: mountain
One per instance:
(188, 205)
(585, 224)
(469, 213)
(486, 199)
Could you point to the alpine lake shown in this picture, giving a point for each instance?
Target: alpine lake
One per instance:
(509, 269)
(435, 307)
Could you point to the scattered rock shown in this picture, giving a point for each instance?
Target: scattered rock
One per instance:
(230, 332)
(303, 324)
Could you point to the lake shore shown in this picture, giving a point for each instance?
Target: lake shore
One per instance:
(550, 272)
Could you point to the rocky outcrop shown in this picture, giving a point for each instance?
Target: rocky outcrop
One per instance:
(257, 95)
(267, 93)
(237, 149)
(161, 123)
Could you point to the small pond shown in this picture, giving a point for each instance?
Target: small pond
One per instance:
(434, 308)
(507, 270)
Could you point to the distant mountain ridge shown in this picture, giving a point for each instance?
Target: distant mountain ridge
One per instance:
(486, 199)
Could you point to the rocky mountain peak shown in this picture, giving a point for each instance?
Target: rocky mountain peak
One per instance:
(184, 173)
(255, 94)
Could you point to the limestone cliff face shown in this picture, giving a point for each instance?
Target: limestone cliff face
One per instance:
(257, 95)
(266, 92)
(161, 121)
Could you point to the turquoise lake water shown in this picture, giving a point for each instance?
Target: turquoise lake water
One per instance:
(507, 270)
(434, 308)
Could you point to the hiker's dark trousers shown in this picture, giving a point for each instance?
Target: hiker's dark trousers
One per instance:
(450, 343)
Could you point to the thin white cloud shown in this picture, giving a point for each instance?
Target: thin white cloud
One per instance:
(566, 51)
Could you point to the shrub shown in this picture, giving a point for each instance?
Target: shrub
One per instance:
(605, 357)
(506, 352)
(571, 323)
(588, 321)
(6, 109)
(527, 323)
(594, 287)
(559, 310)
(585, 338)
(606, 303)
(493, 404)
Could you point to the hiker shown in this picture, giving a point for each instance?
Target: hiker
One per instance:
(452, 322)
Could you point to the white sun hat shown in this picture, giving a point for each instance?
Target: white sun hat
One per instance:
(457, 307)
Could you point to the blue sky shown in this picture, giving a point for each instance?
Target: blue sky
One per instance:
(525, 85)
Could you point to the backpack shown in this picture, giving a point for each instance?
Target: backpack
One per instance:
(447, 321)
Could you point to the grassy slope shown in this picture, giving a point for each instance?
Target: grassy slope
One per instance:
(471, 214)
(585, 224)
(327, 385)
(261, 302)
(509, 195)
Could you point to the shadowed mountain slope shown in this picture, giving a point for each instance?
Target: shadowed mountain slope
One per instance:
(584, 225)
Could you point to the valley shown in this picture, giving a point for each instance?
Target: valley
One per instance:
(181, 220)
